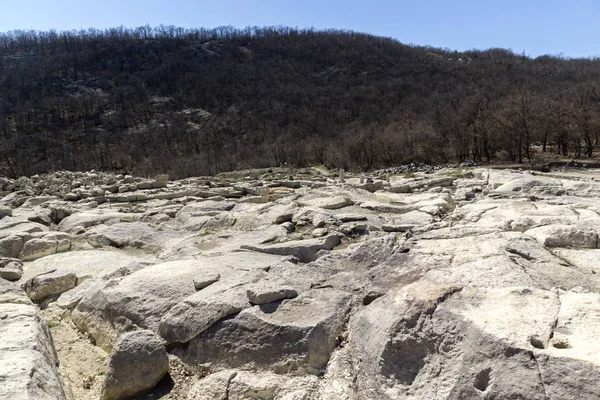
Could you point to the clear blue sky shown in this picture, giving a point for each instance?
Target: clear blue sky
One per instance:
(570, 27)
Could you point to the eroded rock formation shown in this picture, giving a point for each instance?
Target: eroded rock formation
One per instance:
(454, 284)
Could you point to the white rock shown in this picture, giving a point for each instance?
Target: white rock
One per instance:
(28, 364)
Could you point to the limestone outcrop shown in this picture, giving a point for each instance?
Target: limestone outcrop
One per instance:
(447, 284)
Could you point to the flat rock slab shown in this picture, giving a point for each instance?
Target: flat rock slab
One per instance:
(85, 264)
(88, 219)
(264, 292)
(305, 250)
(297, 334)
(329, 203)
(147, 296)
(27, 359)
(119, 235)
(532, 185)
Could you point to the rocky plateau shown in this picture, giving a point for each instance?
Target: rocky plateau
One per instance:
(454, 283)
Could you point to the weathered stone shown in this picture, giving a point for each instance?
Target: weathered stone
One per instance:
(87, 219)
(565, 236)
(145, 297)
(5, 211)
(137, 363)
(297, 334)
(304, 250)
(11, 246)
(119, 235)
(49, 284)
(268, 292)
(28, 364)
(329, 203)
(396, 335)
(161, 181)
(11, 269)
(50, 243)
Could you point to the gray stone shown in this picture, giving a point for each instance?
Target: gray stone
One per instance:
(298, 334)
(329, 203)
(28, 363)
(147, 299)
(304, 250)
(120, 234)
(11, 246)
(5, 211)
(49, 284)
(137, 363)
(267, 292)
(50, 243)
(11, 269)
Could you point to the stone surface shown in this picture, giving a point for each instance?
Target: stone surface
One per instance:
(50, 243)
(49, 284)
(28, 364)
(297, 334)
(262, 293)
(305, 250)
(289, 284)
(145, 298)
(136, 364)
(11, 269)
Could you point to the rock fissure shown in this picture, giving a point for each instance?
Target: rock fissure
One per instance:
(540, 375)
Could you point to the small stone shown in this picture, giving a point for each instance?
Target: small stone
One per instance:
(280, 219)
(560, 343)
(201, 283)
(537, 342)
(269, 294)
(319, 232)
(289, 226)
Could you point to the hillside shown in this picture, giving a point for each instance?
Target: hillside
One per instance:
(194, 102)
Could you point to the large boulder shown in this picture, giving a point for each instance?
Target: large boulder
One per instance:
(305, 250)
(120, 234)
(428, 340)
(49, 284)
(11, 269)
(198, 312)
(146, 298)
(28, 363)
(137, 363)
(296, 334)
(45, 245)
(11, 246)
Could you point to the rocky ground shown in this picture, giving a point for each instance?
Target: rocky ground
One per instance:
(455, 283)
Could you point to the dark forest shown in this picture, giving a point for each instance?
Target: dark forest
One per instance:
(201, 101)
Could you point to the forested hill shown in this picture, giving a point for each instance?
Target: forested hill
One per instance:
(200, 101)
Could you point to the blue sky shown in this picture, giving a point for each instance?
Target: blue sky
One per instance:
(568, 27)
